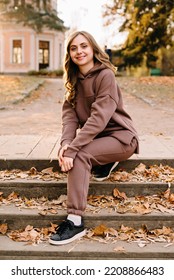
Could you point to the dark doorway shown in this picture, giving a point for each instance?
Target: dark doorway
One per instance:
(43, 54)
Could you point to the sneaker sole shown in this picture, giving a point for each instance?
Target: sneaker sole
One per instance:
(107, 177)
(66, 241)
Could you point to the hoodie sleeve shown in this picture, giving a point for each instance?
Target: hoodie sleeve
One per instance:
(70, 124)
(101, 112)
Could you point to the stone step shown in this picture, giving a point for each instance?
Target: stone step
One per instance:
(83, 250)
(18, 217)
(53, 189)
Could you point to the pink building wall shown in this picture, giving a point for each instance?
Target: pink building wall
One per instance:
(30, 47)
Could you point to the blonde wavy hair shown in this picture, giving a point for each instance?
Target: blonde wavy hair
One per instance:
(71, 69)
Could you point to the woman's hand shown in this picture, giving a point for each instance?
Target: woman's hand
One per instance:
(66, 163)
(61, 152)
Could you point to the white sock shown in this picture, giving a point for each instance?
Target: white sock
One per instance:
(76, 219)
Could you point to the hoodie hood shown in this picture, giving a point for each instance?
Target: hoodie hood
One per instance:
(98, 66)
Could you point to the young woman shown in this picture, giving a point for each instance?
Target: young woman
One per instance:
(97, 131)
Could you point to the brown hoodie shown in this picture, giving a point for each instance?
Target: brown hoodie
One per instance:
(98, 112)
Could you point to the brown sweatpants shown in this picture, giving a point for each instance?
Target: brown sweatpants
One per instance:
(98, 152)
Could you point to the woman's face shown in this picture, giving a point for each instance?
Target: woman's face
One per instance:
(81, 53)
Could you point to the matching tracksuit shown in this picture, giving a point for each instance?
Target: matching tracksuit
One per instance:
(97, 129)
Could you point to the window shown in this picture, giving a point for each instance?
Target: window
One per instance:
(17, 51)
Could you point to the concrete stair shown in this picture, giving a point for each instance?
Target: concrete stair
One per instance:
(17, 218)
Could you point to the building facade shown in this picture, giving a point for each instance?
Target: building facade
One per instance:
(22, 49)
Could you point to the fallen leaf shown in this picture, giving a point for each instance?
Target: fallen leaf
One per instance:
(100, 230)
(28, 228)
(167, 193)
(140, 168)
(122, 176)
(3, 228)
(125, 229)
(118, 194)
(48, 170)
(12, 196)
(163, 231)
(141, 209)
(164, 209)
(32, 171)
(123, 236)
(43, 213)
(111, 232)
(171, 198)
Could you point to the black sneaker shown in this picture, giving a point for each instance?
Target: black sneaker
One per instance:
(67, 232)
(103, 172)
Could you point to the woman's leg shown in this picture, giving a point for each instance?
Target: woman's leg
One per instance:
(100, 151)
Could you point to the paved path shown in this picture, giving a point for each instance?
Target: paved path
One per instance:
(46, 147)
(31, 129)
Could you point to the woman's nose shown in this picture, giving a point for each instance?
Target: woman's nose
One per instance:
(79, 50)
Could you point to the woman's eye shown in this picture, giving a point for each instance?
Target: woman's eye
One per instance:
(84, 46)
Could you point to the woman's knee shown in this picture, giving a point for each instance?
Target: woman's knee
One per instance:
(83, 158)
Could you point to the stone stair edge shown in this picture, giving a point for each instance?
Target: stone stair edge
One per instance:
(17, 218)
(53, 189)
(78, 250)
(40, 164)
(12, 210)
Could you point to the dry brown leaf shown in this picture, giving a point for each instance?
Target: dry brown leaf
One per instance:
(122, 176)
(90, 233)
(117, 176)
(140, 168)
(62, 198)
(22, 175)
(171, 198)
(12, 196)
(3, 228)
(100, 230)
(167, 193)
(53, 211)
(123, 236)
(118, 194)
(164, 209)
(43, 213)
(141, 209)
(146, 205)
(154, 173)
(122, 209)
(52, 227)
(28, 228)
(48, 170)
(32, 171)
(111, 232)
(125, 229)
(163, 231)
(32, 235)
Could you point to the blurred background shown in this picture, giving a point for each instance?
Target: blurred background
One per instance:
(138, 34)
